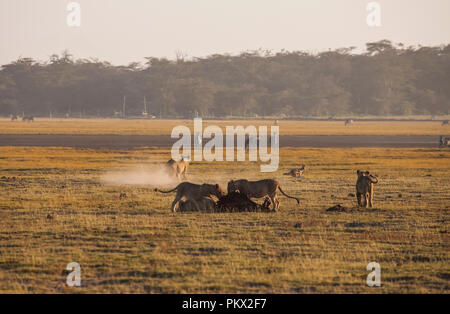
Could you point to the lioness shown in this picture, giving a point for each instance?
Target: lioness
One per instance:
(364, 187)
(257, 189)
(206, 204)
(177, 169)
(194, 192)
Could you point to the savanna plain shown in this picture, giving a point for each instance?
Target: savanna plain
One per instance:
(98, 207)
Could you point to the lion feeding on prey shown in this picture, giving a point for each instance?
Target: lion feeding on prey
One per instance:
(364, 187)
(194, 192)
(177, 169)
(257, 189)
(206, 204)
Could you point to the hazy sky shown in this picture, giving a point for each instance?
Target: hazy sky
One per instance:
(123, 31)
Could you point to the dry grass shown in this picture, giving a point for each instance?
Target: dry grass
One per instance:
(164, 127)
(137, 245)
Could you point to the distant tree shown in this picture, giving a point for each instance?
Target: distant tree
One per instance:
(388, 78)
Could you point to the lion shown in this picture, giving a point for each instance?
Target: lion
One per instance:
(258, 189)
(177, 169)
(206, 204)
(194, 192)
(364, 187)
(296, 172)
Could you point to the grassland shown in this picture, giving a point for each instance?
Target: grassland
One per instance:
(57, 210)
(164, 127)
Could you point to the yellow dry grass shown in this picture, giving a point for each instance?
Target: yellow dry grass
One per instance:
(164, 127)
(135, 245)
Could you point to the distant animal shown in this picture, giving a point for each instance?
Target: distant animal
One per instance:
(28, 118)
(177, 169)
(296, 172)
(445, 122)
(14, 117)
(194, 192)
(206, 204)
(444, 141)
(348, 121)
(364, 187)
(258, 189)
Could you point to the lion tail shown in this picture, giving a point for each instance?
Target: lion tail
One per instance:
(298, 201)
(161, 191)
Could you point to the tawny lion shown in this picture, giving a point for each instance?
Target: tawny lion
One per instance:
(364, 187)
(177, 169)
(257, 189)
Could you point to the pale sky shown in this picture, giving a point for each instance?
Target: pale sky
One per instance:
(122, 31)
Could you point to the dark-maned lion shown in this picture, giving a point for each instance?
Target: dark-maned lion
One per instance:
(206, 204)
(177, 169)
(257, 189)
(194, 192)
(364, 187)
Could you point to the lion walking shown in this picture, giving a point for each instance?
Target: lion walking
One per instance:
(177, 169)
(364, 187)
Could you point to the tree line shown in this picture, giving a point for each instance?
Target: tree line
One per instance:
(385, 79)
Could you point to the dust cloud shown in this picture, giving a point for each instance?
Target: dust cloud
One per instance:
(138, 176)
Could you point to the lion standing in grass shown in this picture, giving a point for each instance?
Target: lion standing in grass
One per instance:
(364, 187)
(258, 189)
(177, 169)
